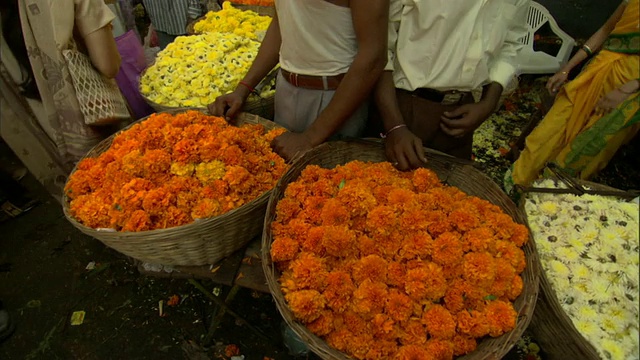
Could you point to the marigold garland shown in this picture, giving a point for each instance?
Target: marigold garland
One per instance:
(389, 264)
(170, 170)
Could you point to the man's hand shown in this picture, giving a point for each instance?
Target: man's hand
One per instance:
(466, 118)
(227, 105)
(290, 145)
(404, 149)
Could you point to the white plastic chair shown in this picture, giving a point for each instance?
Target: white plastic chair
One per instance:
(539, 62)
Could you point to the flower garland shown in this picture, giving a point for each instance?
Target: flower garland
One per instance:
(383, 263)
(588, 247)
(170, 170)
(194, 70)
(244, 23)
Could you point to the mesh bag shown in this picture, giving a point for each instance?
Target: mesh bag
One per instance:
(101, 101)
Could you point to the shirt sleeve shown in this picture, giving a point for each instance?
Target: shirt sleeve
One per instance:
(395, 14)
(504, 66)
(92, 15)
(195, 9)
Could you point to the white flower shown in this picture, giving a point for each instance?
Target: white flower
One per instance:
(599, 289)
(577, 244)
(549, 208)
(613, 349)
(559, 269)
(586, 327)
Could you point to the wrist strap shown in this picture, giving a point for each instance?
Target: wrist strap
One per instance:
(391, 130)
(247, 86)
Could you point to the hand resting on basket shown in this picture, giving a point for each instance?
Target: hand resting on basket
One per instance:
(229, 105)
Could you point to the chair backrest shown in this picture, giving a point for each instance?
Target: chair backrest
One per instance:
(537, 16)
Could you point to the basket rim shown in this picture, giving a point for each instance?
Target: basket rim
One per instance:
(66, 201)
(527, 300)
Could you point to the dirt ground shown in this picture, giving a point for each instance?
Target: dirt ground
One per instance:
(44, 280)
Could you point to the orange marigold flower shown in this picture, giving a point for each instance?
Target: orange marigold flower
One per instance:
(442, 198)
(515, 289)
(413, 352)
(339, 241)
(396, 274)
(413, 332)
(472, 323)
(313, 242)
(138, 221)
(440, 323)
(312, 209)
(426, 282)
(357, 197)
(455, 296)
(309, 271)
(439, 349)
(520, 235)
(367, 298)
(206, 208)
(500, 316)
(502, 223)
(367, 246)
(324, 188)
(352, 321)
(371, 267)
(383, 327)
(413, 219)
(232, 156)
(307, 305)
(425, 179)
(464, 220)
(186, 151)
(510, 252)
(94, 211)
(339, 338)
(156, 201)
(156, 163)
(287, 209)
(323, 325)
(359, 345)
(334, 213)
(447, 249)
(479, 269)
(381, 220)
(398, 306)
(133, 163)
(172, 216)
(418, 245)
(382, 349)
(297, 229)
(479, 240)
(284, 249)
(401, 198)
(463, 345)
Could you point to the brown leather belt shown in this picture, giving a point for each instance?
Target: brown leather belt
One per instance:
(450, 97)
(312, 82)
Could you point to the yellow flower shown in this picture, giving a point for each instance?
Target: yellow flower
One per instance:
(209, 171)
(182, 169)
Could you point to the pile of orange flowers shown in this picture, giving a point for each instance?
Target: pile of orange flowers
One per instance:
(170, 170)
(255, 2)
(389, 264)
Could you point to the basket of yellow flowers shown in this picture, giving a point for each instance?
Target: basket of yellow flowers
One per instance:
(194, 70)
(241, 20)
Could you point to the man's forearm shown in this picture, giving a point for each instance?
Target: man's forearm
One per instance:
(352, 92)
(267, 57)
(491, 94)
(387, 101)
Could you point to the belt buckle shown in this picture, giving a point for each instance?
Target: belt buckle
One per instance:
(451, 98)
(293, 79)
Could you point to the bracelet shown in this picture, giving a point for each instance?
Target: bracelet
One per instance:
(247, 86)
(587, 49)
(391, 130)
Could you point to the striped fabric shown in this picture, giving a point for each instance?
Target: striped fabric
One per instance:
(172, 16)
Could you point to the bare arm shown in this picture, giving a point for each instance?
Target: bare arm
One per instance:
(103, 51)
(370, 20)
(594, 43)
(266, 59)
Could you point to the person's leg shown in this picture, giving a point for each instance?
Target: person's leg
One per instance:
(7, 326)
(164, 39)
(13, 198)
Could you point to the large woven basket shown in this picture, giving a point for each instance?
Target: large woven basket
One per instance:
(262, 107)
(465, 177)
(205, 241)
(551, 326)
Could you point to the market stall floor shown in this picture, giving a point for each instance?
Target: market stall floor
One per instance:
(51, 274)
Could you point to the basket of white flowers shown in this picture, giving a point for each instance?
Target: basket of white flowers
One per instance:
(587, 237)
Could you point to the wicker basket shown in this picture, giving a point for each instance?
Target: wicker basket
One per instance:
(262, 107)
(205, 241)
(551, 326)
(465, 177)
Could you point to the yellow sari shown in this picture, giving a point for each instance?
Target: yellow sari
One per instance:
(571, 134)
